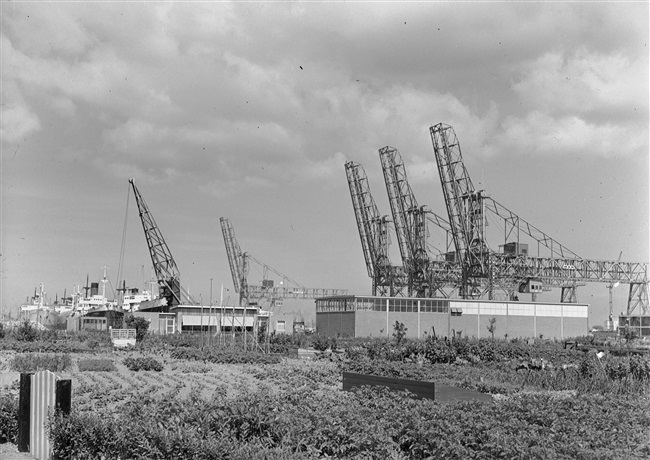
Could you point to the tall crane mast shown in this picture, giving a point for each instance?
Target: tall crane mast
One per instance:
(373, 231)
(237, 261)
(410, 222)
(465, 209)
(165, 267)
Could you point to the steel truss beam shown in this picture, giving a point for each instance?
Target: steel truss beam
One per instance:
(165, 267)
(560, 271)
(387, 279)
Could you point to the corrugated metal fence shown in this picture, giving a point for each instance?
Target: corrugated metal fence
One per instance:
(40, 395)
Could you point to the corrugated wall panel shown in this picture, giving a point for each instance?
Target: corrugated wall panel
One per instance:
(43, 395)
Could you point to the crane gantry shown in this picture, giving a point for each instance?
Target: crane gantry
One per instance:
(483, 268)
(252, 294)
(473, 269)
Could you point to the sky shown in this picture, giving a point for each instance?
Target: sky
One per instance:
(250, 110)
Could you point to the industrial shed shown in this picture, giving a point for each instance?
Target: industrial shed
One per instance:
(367, 316)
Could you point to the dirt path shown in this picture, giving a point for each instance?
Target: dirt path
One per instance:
(9, 451)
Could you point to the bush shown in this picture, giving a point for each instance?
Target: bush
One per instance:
(143, 364)
(140, 324)
(295, 421)
(399, 332)
(280, 343)
(96, 365)
(8, 419)
(223, 356)
(26, 332)
(42, 347)
(34, 362)
(322, 343)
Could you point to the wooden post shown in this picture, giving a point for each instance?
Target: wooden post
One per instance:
(64, 396)
(23, 412)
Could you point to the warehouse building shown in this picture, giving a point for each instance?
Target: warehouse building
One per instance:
(365, 316)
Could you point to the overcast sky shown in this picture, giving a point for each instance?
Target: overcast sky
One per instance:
(250, 110)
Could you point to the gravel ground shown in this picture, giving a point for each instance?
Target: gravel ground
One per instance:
(9, 451)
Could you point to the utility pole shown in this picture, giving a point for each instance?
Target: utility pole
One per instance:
(210, 320)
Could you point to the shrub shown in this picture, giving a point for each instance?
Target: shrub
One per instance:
(399, 332)
(42, 347)
(140, 324)
(294, 421)
(223, 356)
(26, 332)
(34, 362)
(323, 343)
(8, 419)
(143, 364)
(96, 365)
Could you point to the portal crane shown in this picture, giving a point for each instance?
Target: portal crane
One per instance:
(387, 279)
(410, 225)
(483, 268)
(164, 266)
(465, 211)
(237, 261)
(251, 294)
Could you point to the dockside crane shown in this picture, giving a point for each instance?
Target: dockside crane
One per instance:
(164, 265)
(483, 269)
(237, 261)
(465, 210)
(410, 221)
(387, 279)
(253, 294)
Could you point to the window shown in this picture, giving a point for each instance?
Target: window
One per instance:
(280, 326)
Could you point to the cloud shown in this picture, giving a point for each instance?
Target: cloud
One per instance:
(594, 85)
(18, 119)
(541, 134)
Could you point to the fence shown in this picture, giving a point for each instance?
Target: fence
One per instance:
(41, 394)
(123, 337)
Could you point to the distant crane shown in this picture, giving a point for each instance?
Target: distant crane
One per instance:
(164, 266)
(483, 268)
(465, 211)
(387, 279)
(411, 227)
(610, 288)
(237, 261)
(251, 294)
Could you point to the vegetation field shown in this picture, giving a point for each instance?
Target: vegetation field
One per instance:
(174, 397)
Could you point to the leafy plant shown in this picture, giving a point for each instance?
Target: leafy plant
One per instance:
(25, 332)
(8, 419)
(399, 332)
(223, 355)
(96, 365)
(34, 362)
(140, 324)
(143, 364)
(323, 343)
(491, 326)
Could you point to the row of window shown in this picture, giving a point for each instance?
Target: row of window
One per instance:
(634, 321)
(379, 304)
